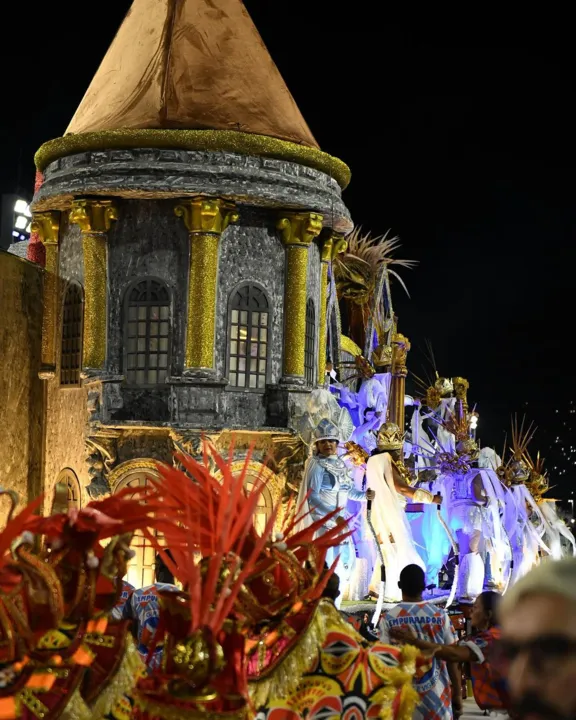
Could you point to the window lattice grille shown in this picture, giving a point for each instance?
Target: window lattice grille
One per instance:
(248, 338)
(71, 354)
(147, 333)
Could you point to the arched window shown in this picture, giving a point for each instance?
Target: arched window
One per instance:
(248, 337)
(68, 478)
(147, 333)
(309, 354)
(140, 569)
(264, 507)
(71, 354)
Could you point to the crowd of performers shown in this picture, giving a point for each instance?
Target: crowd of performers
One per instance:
(243, 622)
(249, 631)
(472, 520)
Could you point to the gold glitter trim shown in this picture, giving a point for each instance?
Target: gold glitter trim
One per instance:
(213, 140)
(76, 708)
(95, 276)
(349, 346)
(205, 219)
(94, 217)
(160, 710)
(122, 684)
(298, 230)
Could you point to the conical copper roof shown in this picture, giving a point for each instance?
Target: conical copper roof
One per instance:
(190, 64)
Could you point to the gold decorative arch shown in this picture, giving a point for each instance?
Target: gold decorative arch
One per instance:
(141, 568)
(118, 474)
(274, 483)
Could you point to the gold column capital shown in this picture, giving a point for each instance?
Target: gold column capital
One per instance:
(206, 215)
(299, 229)
(47, 226)
(93, 216)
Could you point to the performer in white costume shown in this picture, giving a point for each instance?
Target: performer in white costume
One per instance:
(539, 528)
(388, 517)
(327, 486)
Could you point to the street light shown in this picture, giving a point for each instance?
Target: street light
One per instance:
(15, 220)
(473, 424)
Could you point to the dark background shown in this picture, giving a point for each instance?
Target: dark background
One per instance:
(460, 140)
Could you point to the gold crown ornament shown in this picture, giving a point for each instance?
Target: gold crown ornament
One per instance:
(444, 386)
(517, 470)
(390, 437)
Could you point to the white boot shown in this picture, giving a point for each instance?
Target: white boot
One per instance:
(470, 576)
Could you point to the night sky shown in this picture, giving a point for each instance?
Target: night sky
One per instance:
(460, 142)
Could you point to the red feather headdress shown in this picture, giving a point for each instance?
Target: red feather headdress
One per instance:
(238, 583)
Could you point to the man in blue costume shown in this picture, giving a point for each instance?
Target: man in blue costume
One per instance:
(328, 482)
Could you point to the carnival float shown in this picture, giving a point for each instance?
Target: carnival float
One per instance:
(225, 377)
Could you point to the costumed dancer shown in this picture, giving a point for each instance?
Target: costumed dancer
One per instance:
(473, 508)
(383, 474)
(539, 529)
(249, 635)
(61, 654)
(499, 546)
(327, 486)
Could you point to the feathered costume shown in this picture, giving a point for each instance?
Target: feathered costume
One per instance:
(61, 654)
(251, 633)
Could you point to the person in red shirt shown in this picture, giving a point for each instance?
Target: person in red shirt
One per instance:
(490, 691)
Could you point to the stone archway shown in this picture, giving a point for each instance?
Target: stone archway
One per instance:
(69, 478)
(271, 494)
(135, 474)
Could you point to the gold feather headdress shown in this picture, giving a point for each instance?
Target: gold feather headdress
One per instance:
(517, 470)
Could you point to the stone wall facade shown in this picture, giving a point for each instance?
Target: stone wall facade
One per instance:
(21, 390)
(105, 427)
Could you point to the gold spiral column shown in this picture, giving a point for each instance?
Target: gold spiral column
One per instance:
(400, 349)
(94, 217)
(47, 225)
(332, 245)
(205, 219)
(298, 230)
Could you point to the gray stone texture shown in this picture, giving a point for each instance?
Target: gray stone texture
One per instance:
(71, 257)
(157, 173)
(251, 251)
(148, 240)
